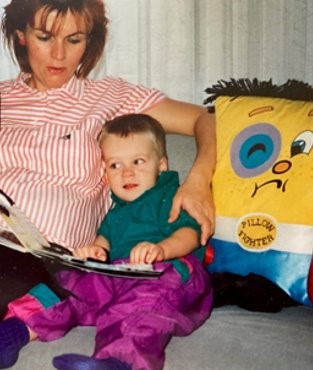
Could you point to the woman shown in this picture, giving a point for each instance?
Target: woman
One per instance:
(51, 115)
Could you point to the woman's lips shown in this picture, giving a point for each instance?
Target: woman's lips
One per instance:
(56, 70)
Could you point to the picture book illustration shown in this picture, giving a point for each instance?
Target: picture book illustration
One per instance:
(22, 235)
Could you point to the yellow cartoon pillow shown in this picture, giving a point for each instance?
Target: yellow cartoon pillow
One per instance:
(263, 190)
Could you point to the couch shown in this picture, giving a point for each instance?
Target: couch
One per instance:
(232, 338)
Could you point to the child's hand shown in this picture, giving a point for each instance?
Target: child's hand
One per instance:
(91, 251)
(146, 252)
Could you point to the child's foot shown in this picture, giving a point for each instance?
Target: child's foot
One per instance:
(81, 362)
(13, 336)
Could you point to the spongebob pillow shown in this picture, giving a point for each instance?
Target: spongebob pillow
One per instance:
(263, 190)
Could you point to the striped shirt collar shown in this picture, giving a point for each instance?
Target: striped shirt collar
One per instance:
(74, 87)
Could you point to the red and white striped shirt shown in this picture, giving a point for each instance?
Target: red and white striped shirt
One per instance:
(50, 160)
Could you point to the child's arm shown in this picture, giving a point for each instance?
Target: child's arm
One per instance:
(98, 250)
(182, 242)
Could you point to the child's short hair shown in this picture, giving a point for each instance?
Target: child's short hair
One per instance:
(136, 124)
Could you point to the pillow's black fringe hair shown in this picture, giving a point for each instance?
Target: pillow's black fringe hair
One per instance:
(292, 89)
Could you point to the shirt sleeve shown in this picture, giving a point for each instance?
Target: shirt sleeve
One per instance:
(184, 219)
(126, 97)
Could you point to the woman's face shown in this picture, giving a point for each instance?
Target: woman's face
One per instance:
(54, 53)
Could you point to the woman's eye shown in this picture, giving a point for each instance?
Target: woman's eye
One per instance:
(44, 37)
(74, 40)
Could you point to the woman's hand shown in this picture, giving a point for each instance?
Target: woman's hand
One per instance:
(91, 251)
(195, 194)
(146, 252)
(196, 199)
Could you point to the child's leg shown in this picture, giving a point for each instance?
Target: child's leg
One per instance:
(153, 312)
(37, 299)
(14, 333)
(13, 336)
(54, 322)
(91, 294)
(80, 362)
(14, 327)
(47, 324)
(146, 314)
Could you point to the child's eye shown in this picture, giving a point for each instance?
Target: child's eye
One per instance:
(139, 161)
(114, 166)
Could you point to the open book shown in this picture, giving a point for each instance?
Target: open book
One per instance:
(22, 235)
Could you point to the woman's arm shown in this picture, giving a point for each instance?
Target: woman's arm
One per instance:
(195, 194)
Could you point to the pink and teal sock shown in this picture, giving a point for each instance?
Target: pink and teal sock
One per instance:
(81, 362)
(14, 335)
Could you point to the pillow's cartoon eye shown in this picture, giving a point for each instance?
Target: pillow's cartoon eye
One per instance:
(303, 143)
(255, 149)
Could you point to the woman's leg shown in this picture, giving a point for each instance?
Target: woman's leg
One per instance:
(20, 272)
(27, 286)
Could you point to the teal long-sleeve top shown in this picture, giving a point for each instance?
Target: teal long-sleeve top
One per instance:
(145, 219)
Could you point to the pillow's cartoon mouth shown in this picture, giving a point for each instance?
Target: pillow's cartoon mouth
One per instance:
(279, 185)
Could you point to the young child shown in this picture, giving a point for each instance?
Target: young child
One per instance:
(135, 318)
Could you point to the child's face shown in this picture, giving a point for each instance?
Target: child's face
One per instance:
(132, 164)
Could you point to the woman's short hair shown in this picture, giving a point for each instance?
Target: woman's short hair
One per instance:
(136, 123)
(20, 13)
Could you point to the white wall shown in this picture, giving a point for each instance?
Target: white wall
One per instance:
(183, 46)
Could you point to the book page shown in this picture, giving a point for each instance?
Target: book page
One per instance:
(8, 239)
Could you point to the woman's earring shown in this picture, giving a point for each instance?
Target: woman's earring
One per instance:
(22, 42)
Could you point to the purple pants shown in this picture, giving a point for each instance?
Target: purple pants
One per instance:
(134, 318)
